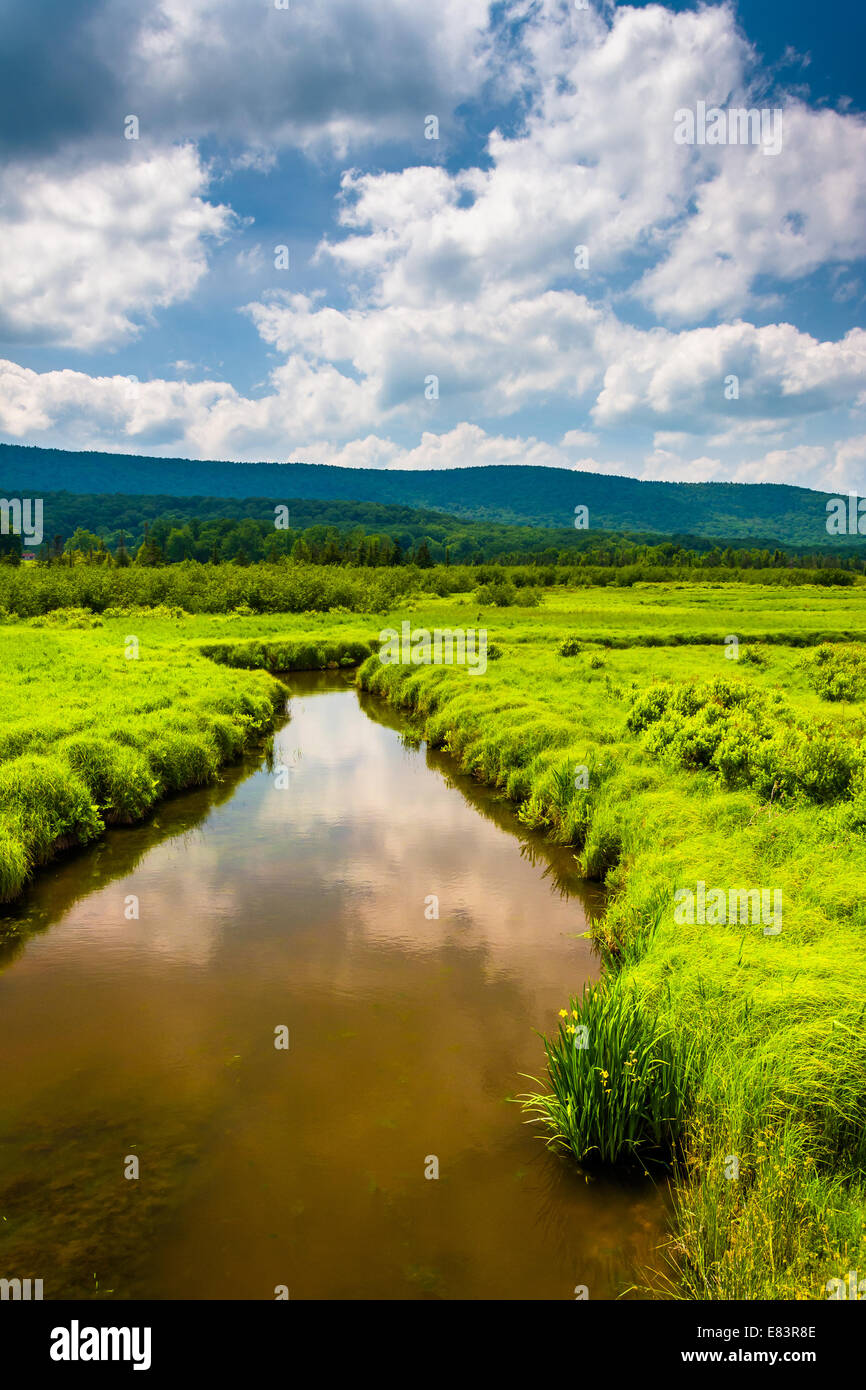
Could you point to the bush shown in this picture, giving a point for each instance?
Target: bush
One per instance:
(837, 672)
(67, 617)
(749, 739)
(500, 594)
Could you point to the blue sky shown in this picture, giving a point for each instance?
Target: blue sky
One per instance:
(141, 308)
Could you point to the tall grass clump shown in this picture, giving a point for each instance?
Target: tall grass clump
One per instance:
(118, 778)
(44, 806)
(290, 655)
(620, 1083)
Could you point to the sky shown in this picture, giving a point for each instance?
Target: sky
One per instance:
(396, 234)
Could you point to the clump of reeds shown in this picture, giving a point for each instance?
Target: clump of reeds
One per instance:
(620, 1082)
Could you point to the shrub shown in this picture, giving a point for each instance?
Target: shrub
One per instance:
(747, 738)
(837, 672)
(500, 594)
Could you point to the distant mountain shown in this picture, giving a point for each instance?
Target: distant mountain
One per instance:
(514, 494)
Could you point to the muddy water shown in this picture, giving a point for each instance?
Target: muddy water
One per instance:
(307, 906)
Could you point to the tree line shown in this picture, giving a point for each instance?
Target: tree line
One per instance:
(409, 540)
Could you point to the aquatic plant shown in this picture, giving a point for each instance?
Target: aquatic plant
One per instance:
(620, 1083)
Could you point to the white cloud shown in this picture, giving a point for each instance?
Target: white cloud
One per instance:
(493, 356)
(569, 351)
(578, 439)
(805, 465)
(84, 411)
(664, 466)
(469, 446)
(849, 466)
(318, 73)
(781, 217)
(211, 420)
(781, 373)
(86, 253)
(496, 356)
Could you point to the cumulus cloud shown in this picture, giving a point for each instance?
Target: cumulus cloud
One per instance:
(849, 465)
(498, 355)
(776, 371)
(578, 439)
(212, 420)
(571, 350)
(336, 73)
(467, 273)
(493, 356)
(781, 217)
(86, 254)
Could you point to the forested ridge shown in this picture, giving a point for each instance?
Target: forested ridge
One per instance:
(515, 494)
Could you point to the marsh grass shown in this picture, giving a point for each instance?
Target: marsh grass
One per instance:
(290, 654)
(91, 739)
(766, 1034)
(748, 1046)
(620, 1085)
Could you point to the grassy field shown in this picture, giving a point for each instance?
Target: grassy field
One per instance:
(734, 1056)
(89, 736)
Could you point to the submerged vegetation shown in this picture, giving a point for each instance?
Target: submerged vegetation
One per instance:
(618, 724)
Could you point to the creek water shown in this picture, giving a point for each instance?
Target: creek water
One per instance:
(302, 899)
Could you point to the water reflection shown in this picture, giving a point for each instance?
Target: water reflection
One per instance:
(309, 905)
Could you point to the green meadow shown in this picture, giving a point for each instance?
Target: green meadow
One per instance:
(723, 1058)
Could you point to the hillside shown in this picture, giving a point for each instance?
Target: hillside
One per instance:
(532, 496)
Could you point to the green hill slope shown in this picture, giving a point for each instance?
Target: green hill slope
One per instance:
(516, 494)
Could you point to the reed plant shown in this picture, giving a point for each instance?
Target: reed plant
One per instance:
(620, 1084)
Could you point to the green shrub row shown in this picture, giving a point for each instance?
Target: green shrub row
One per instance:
(749, 739)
